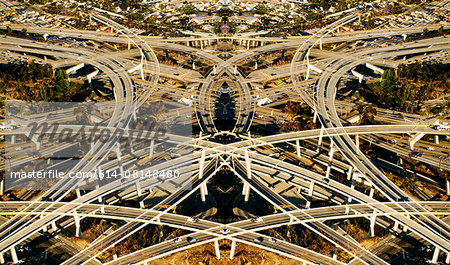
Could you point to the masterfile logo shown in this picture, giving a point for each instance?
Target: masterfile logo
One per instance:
(96, 144)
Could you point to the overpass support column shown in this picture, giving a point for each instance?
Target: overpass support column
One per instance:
(2, 187)
(372, 191)
(119, 159)
(201, 164)
(447, 186)
(248, 45)
(76, 219)
(349, 199)
(187, 43)
(244, 188)
(315, 116)
(152, 145)
(248, 164)
(357, 140)
(201, 44)
(203, 187)
(14, 255)
(435, 255)
(139, 194)
(359, 75)
(203, 191)
(319, 143)
(297, 144)
(330, 159)
(320, 44)
(349, 173)
(447, 259)
(2, 259)
(310, 193)
(142, 72)
(54, 227)
(395, 228)
(246, 191)
(35, 140)
(372, 223)
(91, 75)
(307, 68)
(233, 248)
(413, 139)
(129, 44)
(405, 228)
(436, 139)
(216, 247)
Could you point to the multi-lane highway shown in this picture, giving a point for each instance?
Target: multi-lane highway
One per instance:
(253, 160)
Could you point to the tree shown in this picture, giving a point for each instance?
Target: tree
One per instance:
(425, 32)
(8, 30)
(324, 4)
(441, 30)
(24, 31)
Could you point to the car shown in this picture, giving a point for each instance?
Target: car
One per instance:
(32, 154)
(257, 219)
(174, 155)
(272, 239)
(225, 231)
(416, 154)
(19, 148)
(430, 148)
(192, 220)
(190, 239)
(392, 141)
(259, 239)
(177, 239)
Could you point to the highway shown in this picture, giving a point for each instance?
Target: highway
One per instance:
(250, 158)
(120, 117)
(324, 104)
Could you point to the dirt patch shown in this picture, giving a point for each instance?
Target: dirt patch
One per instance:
(205, 255)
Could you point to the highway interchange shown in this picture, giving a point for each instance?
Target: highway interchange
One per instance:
(253, 159)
